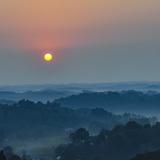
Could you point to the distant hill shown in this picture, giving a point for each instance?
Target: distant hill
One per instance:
(49, 92)
(129, 101)
(79, 87)
(4, 101)
(43, 96)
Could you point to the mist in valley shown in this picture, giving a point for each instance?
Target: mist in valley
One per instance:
(38, 128)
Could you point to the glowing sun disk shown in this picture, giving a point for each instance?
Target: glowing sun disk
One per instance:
(48, 57)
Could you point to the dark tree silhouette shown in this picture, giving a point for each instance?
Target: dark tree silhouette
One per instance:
(2, 156)
(148, 156)
(80, 136)
(122, 142)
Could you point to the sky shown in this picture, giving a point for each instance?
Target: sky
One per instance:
(92, 40)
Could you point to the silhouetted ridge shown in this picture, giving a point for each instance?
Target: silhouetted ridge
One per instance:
(114, 101)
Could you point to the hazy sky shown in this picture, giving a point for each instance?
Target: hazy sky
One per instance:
(93, 41)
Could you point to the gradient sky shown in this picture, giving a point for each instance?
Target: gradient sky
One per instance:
(93, 40)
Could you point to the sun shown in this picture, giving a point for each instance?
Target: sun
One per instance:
(48, 57)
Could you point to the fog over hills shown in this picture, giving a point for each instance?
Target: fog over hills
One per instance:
(142, 86)
(147, 103)
(8, 97)
(38, 118)
(28, 123)
(50, 92)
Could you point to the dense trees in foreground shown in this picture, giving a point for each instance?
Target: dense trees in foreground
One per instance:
(155, 155)
(8, 154)
(121, 143)
(120, 140)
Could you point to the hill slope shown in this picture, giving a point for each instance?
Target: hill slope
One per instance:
(129, 101)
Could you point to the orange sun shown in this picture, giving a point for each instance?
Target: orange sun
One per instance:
(48, 57)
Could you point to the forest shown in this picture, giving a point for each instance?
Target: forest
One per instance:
(59, 131)
(122, 142)
(131, 141)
